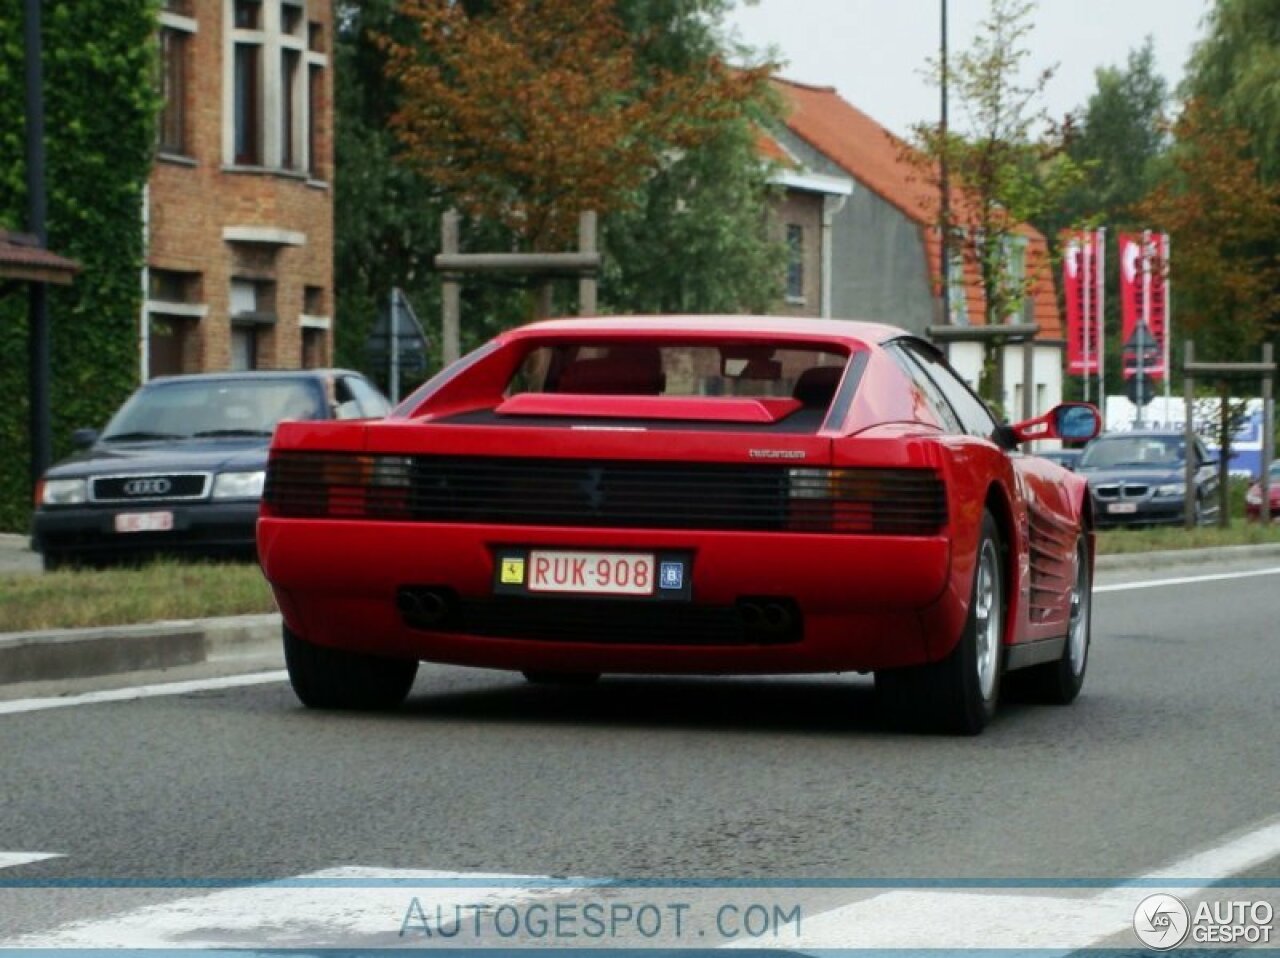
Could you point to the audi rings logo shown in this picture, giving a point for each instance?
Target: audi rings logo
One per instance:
(1161, 922)
(148, 487)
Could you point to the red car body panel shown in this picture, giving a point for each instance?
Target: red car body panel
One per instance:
(868, 601)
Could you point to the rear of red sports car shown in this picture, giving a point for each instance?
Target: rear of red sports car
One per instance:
(590, 496)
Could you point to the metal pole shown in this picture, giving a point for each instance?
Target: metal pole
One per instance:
(1168, 319)
(943, 181)
(1188, 437)
(1268, 433)
(38, 304)
(1101, 280)
(1086, 281)
(451, 293)
(1146, 322)
(393, 346)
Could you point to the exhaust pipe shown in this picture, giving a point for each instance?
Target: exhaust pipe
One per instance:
(423, 607)
(766, 619)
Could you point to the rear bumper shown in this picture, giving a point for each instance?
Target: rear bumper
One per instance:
(862, 602)
(199, 528)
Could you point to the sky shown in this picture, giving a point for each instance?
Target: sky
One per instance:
(874, 51)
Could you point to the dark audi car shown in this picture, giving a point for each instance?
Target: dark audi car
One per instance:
(179, 469)
(1139, 478)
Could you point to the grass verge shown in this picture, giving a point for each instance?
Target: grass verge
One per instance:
(1240, 533)
(162, 590)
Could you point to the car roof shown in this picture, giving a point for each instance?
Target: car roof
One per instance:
(846, 331)
(266, 374)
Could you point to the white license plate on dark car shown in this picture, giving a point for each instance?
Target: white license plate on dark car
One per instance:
(144, 521)
(1122, 508)
(591, 573)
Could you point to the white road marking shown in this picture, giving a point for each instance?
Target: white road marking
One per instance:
(1067, 921)
(298, 912)
(1185, 580)
(13, 859)
(369, 907)
(143, 692)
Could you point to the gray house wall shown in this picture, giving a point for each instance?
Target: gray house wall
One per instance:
(879, 270)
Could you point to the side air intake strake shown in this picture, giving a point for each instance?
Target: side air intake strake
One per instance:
(629, 494)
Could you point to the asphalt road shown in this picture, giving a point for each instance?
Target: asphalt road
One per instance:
(1170, 751)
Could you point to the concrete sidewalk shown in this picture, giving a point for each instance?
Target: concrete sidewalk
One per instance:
(82, 653)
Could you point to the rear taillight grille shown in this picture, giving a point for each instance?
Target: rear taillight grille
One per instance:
(511, 491)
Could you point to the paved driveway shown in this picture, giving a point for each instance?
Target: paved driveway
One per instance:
(15, 556)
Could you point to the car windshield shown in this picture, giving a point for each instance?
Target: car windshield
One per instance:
(1115, 451)
(211, 408)
(682, 369)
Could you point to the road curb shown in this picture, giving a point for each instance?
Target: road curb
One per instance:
(1217, 555)
(86, 653)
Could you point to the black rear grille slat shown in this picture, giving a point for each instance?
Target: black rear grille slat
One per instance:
(605, 622)
(620, 494)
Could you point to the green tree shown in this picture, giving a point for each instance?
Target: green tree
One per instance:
(709, 205)
(1236, 68)
(1005, 172)
(100, 106)
(1118, 143)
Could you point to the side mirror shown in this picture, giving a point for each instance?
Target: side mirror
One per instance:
(84, 438)
(1073, 421)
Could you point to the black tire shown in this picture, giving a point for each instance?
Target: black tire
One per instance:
(959, 694)
(54, 561)
(540, 677)
(1058, 683)
(325, 678)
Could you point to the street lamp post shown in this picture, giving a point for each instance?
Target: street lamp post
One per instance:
(38, 303)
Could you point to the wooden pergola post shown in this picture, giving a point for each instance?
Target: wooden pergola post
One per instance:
(454, 264)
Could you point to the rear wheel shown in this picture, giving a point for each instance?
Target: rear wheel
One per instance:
(1058, 683)
(959, 693)
(326, 678)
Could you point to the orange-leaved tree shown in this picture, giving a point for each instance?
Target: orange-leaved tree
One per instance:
(528, 112)
(1224, 229)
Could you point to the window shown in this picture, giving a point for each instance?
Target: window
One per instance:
(313, 348)
(795, 263)
(248, 14)
(959, 299)
(975, 418)
(371, 402)
(927, 392)
(173, 90)
(1015, 267)
(313, 300)
(248, 104)
(315, 113)
(244, 348)
(275, 87)
(173, 286)
(290, 116)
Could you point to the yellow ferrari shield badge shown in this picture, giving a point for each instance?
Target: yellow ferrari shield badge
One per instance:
(512, 571)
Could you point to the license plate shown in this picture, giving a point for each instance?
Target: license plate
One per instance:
(144, 522)
(1123, 508)
(591, 573)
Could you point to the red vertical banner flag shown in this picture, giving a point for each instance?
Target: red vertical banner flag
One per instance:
(1081, 265)
(1143, 278)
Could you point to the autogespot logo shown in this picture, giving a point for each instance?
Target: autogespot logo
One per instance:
(147, 487)
(1161, 922)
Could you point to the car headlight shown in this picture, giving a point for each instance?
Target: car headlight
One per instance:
(1171, 489)
(64, 492)
(1253, 497)
(239, 485)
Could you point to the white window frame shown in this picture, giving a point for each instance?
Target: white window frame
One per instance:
(271, 41)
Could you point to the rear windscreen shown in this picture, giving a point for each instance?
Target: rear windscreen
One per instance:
(676, 369)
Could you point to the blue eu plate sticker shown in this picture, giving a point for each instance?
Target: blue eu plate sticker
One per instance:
(671, 575)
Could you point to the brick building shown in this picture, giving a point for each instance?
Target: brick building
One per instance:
(239, 208)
